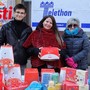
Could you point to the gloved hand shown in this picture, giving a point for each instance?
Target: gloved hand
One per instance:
(63, 53)
(71, 62)
(33, 51)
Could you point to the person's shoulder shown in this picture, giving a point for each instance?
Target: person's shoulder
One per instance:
(81, 31)
(7, 24)
(35, 31)
(24, 23)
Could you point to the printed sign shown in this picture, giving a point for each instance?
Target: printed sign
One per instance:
(6, 11)
(62, 10)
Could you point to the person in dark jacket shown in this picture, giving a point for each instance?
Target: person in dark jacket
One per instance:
(77, 45)
(15, 33)
(45, 35)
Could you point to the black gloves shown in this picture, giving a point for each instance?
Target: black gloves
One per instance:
(33, 51)
(63, 53)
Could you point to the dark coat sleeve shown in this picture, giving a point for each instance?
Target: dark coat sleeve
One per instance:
(32, 51)
(85, 49)
(2, 35)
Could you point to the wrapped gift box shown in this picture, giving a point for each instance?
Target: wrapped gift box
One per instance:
(31, 74)
(69, 86)
(84, 87)
(49, 53)
(46, 75)
(6, 55)
(1, 81)
(81, 77)
(15, 84)
(73, 86)
(74, 75)
(13, 79)
(13, 72)
(71, 74)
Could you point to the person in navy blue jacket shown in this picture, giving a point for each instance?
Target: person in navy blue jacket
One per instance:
(77, 45)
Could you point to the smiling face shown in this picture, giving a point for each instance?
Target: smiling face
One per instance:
(19, 14)
(47, 24)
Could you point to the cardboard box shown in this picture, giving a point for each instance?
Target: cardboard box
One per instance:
(84, 87)
(6, 55)
(74, 75)
(13, 72)
(1, 81)
(49, 53)
(46, 75)
(15, 84)
(81, 77)
(31, 74)
(72, 86)
(71, 74)
(69, 86)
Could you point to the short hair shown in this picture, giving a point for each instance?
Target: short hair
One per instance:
(73, 21)
(19, 6)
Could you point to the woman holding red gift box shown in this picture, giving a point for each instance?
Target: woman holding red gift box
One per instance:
(45, 35)
(77, 45)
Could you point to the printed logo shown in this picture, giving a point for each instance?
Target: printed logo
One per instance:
(46, 6)
(49, 10)
(5, 13)
(1, 4)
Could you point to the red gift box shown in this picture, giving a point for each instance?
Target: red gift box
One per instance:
(49, 53)
(15, 84)
(31, 74)
(69, 86)
(71, 74)
(1, 84)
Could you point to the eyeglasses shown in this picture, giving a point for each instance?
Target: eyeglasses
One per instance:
(72, 25)
(20, 12)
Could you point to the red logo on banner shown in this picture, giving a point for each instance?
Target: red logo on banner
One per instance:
(1, 4)
(6, 13)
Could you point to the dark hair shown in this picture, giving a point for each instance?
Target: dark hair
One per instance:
(19, 6)
(54, 28)
(40, 24)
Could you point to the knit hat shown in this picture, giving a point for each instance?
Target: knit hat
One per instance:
(73, 21)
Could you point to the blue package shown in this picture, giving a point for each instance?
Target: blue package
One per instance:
(34, 86)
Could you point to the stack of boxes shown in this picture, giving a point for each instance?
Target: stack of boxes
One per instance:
(11, 72)
(69, 78)
(74, 79)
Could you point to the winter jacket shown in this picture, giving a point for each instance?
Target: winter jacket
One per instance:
(9, 35)
(42, 38)
(77, 46)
